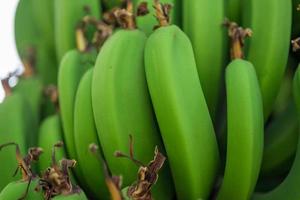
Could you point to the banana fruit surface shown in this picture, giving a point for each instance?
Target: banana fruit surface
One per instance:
(245, 131)
(209, 45)
(85, 133)
(268, 47)
(181, 112)
(122, 107)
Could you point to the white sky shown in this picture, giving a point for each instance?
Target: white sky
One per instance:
(9, 59)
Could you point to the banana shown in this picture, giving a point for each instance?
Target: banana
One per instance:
(31, 89)
(14, 126)
(234, 10)
(296, 19)
(72, 67)
(268, 48)
(245, 131)
(147, 23)
(209, 45)
(32, 41)
(67, 15)
(280, 142)
(289, 188)
(122, 105)
(181, 110)
(50, 133)
(84, 134)
(15, 190)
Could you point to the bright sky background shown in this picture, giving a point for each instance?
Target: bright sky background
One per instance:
(9, 59)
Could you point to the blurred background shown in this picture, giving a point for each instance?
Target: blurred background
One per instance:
(9, 58)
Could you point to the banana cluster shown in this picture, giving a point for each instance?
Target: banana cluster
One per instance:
(210, 86)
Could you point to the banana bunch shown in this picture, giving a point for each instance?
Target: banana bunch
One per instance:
(159, 74)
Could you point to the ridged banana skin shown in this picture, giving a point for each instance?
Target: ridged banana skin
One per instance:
(122, 106)
(181, 112)
(234, 10)
(67, 14)
(15, 190)
(32, 90)
(50, 133)
(76, 196)
(281, 139)
(73, 66)
(148, 22)
(268, 47)
(289, 188)
(12, 129)
(202, 22)
(245, 132)
(28, 35)
(85, 133)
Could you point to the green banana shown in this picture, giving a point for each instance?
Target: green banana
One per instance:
(289, 188)
(50, 133)
(31, 89)
(296, 19)
(234, 10)
(43, 13)
(15, 190)
(268, 52)
(72, 67)
(67, 15)
(13, 127)
(181, 111)
(209, 45)
(245, 131)
(147, 23)
(85, 133)
(32, 41)
(122, 107)
(280, 141)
